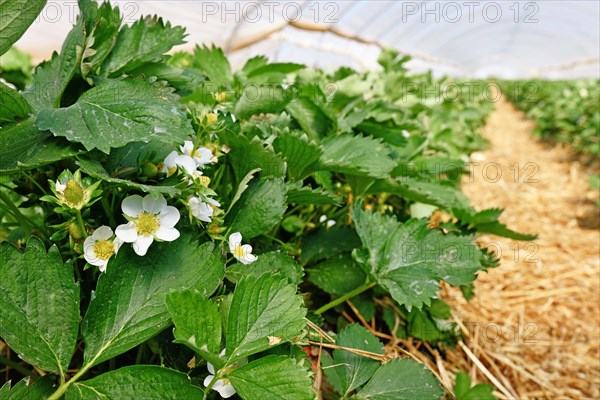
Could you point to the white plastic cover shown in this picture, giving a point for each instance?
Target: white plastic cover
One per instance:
(508, 39)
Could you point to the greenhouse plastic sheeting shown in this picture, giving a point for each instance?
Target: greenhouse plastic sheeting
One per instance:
(509, 39)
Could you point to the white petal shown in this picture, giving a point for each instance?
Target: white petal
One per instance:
(169, 217)
(211, 369)
(322, 218)
(154, 205)
(203, 212)
(247, 249)
(170, 161)
(188, 164)
(235, 239)
(208, 380)
(89, 242)
(60, 188)
(102, 233)
(102, 267)
(166, 234)
(247, 258)
(187, 147)
(218, 385)
(117, 242)
(88, 252)
(203, 156)
(127, 232)
(213, 202)
(141, 245)
(132, 205)
(227, 390)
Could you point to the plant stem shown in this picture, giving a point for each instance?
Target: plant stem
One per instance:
(108, 210)
(364, 287)
(17, 367)
(81, 224)
(64, 386)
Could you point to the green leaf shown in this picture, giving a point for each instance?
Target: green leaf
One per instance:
(15, 18)
(273, 73)
(96, 170)
(262, 308)
(446, 197)
(273, 262)
(247, 155)
(102, 26)
(213, 63)
(410, 259)
(324, 243)
(118, 112)
(51, 78)
(356, 155)
(197, 323)
(40, 389)
(298, 194)
(401, 380)
(499, 229)
(149, 382)
(464, 391)
(24, 147)
(243, 186)
(14, 105)
(354, 370)
(39, 305)
(310, 117)
(451, 199)
(272, 378)
(337, 276)
(146, 40)
(259, 209)
(129, 303)
(261, 99)
(300, 154)
(254, 63)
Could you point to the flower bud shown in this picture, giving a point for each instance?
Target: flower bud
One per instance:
(75, 231)
(149, 170)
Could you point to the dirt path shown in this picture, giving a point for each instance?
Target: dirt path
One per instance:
(535, 320)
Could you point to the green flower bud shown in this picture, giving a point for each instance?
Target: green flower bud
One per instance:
(149, 169)
(75, 231)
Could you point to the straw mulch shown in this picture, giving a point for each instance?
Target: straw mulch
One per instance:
(533, 329)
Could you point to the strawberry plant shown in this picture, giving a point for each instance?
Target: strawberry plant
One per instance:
(564, 111)
(172, 228)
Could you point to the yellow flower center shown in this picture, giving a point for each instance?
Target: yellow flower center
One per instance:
(73, 193)
(104, 249)
(211, 118)
(239, 252)
(205, 180)
(147, 223)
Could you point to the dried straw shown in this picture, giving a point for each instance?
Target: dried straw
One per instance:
(533, 330)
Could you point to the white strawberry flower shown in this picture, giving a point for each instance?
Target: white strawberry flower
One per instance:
(243, 253)
(202, 210)
(202, 155)
(328, 223)
(149, 219)
(100, 247)
(223, 386)
(175, 160)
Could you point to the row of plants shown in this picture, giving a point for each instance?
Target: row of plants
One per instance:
(172, 228)
(564, 111)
